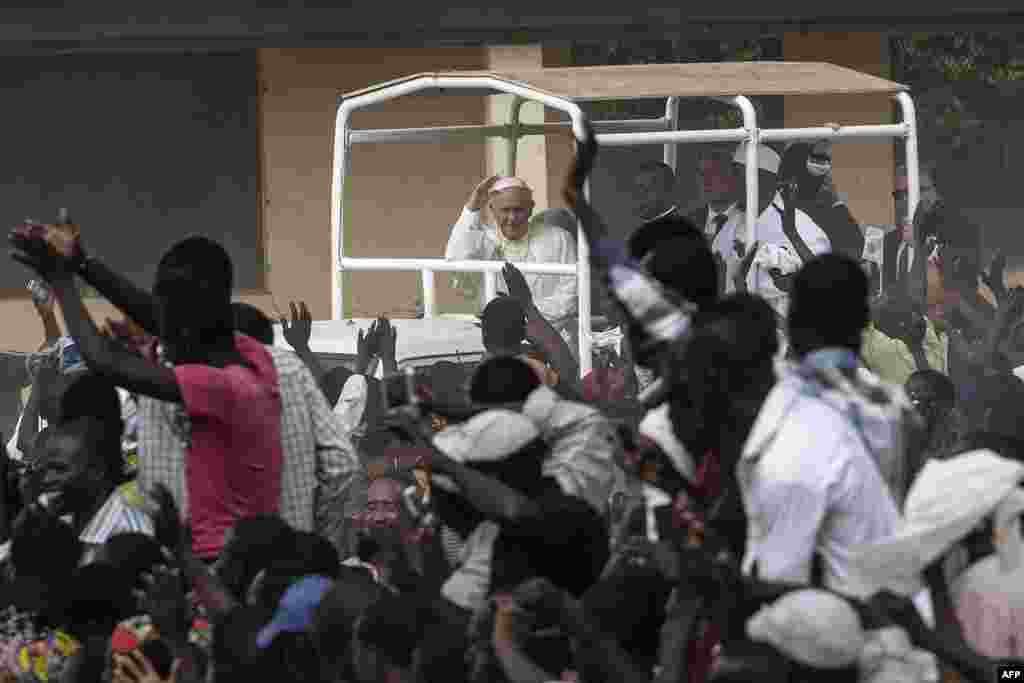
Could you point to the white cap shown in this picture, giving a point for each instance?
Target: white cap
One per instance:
(509, 183)
(767, 158)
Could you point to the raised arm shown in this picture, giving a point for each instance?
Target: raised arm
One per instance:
(467, 239)
(135, 302)
(103, 356)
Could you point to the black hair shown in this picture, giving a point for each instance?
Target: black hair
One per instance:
(253, 322)
(335, 617)
(134, 552)
(662, 170)
(236, 656)
(100, 593)
(44, 546)
(719, 380)
(684, 263)
(503, 324)
(504, 379)
(310, 554)
(828, 305)
(193, 284)
(91, 395)
(931, 385)
(333, 382)
(255, 543)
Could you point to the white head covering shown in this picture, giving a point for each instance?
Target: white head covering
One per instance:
(947, 501)
(508, 183)
(488, 437)
(813, 627)
(767, 158)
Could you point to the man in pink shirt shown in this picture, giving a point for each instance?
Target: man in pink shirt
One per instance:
(226, 382)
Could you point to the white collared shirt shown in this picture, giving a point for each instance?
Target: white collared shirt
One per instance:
(810, 485)
(769, 232)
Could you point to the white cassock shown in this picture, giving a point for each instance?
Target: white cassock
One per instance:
(555, 295)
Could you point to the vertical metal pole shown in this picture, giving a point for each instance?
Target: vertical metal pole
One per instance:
(913, 172)
(671, 153)
(753, 139)
(429, 294)
(341, 163)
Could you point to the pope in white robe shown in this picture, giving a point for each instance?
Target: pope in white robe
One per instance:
(517, 239)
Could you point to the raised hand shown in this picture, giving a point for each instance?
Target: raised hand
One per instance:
(387, 342)
(481, 193)
(517, 287)
(165, 599)
(298, 332)
(586, 154)
(367, 347)
(31, 248)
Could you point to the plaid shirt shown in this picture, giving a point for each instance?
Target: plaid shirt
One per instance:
(319, 459)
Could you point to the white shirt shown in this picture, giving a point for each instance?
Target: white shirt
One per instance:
(810, 485)
(555, 295)
(769, 232)
(657, 426)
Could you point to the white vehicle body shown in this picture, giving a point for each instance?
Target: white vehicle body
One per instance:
(420, 342)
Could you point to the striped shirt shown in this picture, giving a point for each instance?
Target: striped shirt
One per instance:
(122, 513)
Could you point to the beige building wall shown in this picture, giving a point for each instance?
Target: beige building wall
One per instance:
(863, 171)
(404, 198)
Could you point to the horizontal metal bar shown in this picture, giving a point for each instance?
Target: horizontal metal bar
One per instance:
(476, 133)
(444, 266)
(892, 130)
(673, 136)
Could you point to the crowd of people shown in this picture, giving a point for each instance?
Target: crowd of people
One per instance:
(784, 465)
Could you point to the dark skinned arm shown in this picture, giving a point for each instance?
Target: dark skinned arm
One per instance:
(135, 302)
(106, 358)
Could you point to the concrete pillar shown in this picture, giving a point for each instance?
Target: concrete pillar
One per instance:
(863, 172)
(531, 163)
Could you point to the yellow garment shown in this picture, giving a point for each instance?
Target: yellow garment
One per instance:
(893, 362)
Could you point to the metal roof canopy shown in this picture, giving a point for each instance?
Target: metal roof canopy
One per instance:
(563, 89)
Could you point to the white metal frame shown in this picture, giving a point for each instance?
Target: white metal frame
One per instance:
(663, 131)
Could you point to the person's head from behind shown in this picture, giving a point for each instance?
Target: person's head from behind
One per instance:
(100, 596)
(288, 639)
(503, 379)
(932, 394)
(511, 203)
(193, 293)
(334, 622)
(684, 264)
(44, 546)
(134, 553)
(309, 555)
(503, 326)
(768, 162)
(717, 182)
(250, 547)
(253, 322)
(385, 640)
(76, 469)
(720, 379)
(236, 656)
(90, 395)
(828, 305)
(653, 189)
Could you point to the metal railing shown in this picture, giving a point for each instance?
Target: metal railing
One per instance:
(661, 131)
